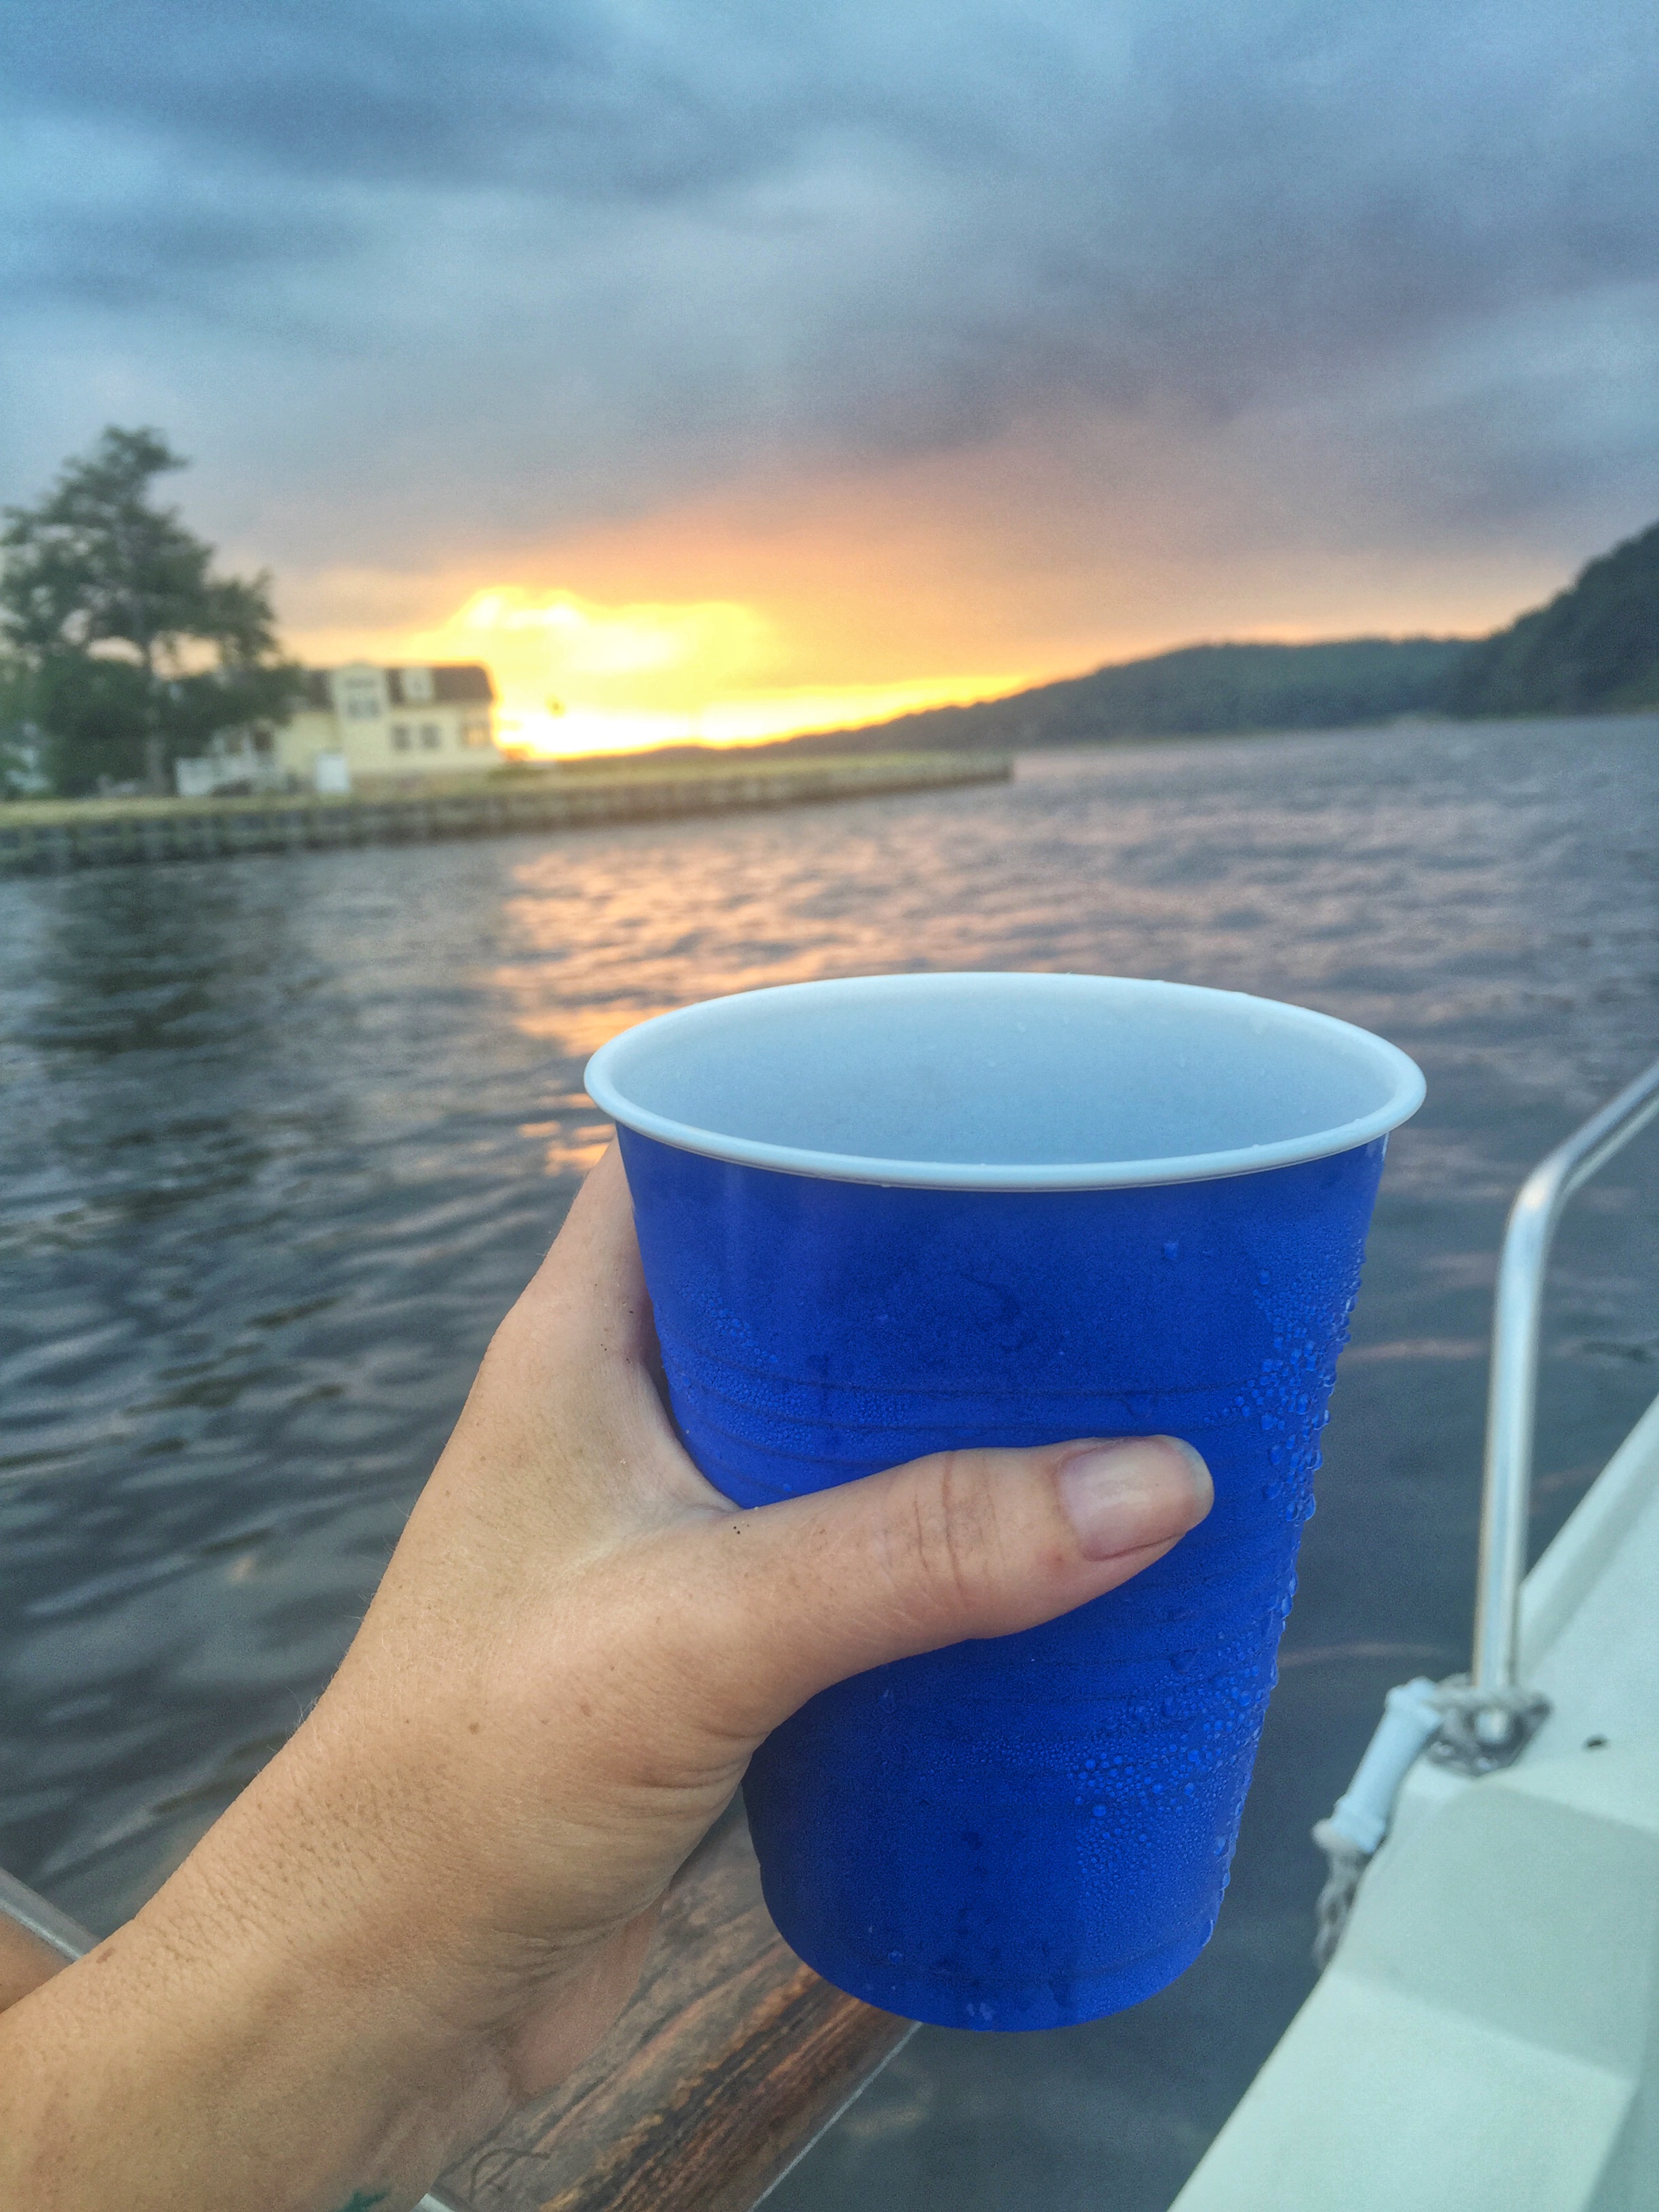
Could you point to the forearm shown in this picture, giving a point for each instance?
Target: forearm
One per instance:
(199, 2061)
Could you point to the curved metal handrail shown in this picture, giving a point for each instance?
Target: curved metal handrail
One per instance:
(1496, 1704)
(1483, 1720)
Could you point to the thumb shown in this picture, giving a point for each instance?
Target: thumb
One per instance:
(962, 1544)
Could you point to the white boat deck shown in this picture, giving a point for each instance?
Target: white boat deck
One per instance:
(1486, 2035)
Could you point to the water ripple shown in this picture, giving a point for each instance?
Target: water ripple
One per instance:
(283, 1137)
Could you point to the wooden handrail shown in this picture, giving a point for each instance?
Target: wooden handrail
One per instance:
(730, 2062)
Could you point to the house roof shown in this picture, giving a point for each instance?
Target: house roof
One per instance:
(455, 683)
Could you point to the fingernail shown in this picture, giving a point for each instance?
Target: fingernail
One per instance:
(1136, 1491)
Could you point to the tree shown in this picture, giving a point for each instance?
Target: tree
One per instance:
(135, 649)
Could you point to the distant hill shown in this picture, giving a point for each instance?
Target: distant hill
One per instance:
(1594, 647)
(1198, 689)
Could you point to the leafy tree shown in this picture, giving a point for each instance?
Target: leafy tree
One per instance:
(136, 650)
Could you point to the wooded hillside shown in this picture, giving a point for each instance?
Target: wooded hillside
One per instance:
(1594, 647)
(1198, 689)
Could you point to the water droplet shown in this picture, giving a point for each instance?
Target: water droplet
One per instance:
(1264, 1279)
(1100, 1811)
(1172, 1249)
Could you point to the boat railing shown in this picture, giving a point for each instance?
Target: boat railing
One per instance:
(1488, 1724)
(1482, 1721)
(37, 1917)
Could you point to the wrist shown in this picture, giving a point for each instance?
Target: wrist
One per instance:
(256, 2055)
(339, 1943)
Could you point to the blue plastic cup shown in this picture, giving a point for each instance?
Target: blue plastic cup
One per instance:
(905, 1213)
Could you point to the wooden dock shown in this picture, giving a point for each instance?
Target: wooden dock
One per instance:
(48, 836)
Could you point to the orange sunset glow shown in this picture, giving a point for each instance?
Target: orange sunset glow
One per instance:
(854, 596)
(576, 675)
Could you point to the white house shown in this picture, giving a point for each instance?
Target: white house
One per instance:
(363, 727)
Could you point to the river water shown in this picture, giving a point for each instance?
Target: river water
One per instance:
(281, 1138)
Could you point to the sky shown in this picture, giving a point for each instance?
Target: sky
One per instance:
(716, 368)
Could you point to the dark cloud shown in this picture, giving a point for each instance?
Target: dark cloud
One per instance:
(587, 100)
(594, 251)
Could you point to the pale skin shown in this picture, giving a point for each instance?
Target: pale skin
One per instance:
(435, 1901)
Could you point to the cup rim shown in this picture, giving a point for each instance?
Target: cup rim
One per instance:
(606, 1074)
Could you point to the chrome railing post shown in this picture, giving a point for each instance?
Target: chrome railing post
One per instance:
(1489, 1723)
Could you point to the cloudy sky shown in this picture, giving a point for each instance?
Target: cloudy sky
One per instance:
(724, 366)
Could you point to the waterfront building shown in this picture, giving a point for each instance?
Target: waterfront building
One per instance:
(362, 728)
(389, 724)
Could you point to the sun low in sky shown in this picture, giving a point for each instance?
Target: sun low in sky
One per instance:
(851, 595)
(846, 593)
(574, 675)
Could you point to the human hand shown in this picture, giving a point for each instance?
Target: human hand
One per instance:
(435, 1900)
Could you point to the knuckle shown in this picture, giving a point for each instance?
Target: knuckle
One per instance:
(952, 1534)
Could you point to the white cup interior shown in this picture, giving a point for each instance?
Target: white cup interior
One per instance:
(1005, 1081)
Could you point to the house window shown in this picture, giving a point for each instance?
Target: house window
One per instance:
(400, 736)
(431, 736)
(475, 734)
(362, 707)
